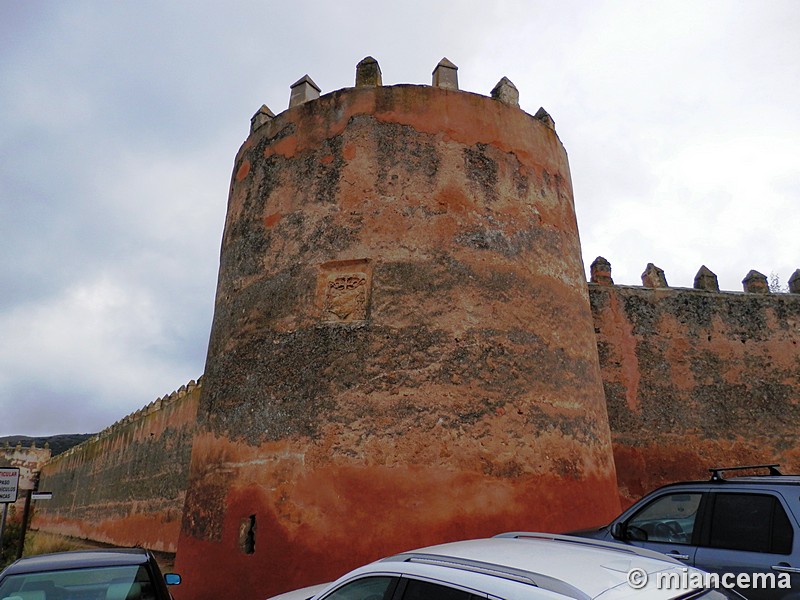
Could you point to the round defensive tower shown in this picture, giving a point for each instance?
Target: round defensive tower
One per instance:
(402, 350)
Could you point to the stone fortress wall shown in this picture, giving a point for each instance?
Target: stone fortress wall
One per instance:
(125, 486)
(697, 378)
(678, 404)
(403, 328)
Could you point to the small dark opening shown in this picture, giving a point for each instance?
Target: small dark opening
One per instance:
(248, 535)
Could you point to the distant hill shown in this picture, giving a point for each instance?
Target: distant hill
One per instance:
(58, 443)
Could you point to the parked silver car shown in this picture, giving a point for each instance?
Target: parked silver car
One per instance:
(520, 566)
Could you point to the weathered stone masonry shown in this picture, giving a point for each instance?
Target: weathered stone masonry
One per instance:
(402, 343)
(695, 378)
(127, 485)
(405, 350)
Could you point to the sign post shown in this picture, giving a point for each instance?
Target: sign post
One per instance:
(3, 527)
(9, 484)
(9, 487)
(24, 528)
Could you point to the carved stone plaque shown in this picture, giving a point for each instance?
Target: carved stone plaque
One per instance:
(346, 298)
(344, 292)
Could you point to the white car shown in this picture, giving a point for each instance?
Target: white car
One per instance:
(520, 566)
(305, 593)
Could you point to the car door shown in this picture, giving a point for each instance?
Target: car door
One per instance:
(751, 533)
(668, 523)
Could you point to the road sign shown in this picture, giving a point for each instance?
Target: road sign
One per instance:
(9, 484)
(41, 495)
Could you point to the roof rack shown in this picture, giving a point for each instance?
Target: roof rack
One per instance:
(539, 580)
(716, 472)
(579, 541)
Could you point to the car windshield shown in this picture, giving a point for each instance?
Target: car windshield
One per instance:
(96, 583)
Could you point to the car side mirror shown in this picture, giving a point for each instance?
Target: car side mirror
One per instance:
(618, 531)
(172, 578)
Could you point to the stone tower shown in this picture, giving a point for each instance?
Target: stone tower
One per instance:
(402, 350)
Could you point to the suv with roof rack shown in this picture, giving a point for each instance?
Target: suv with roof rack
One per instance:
(518, 566)
(745, 524)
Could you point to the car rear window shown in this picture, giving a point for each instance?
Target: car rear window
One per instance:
(750, 522)
(100, 583)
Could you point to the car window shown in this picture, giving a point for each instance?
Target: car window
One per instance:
(425, 590)
(782, 531)
(669, 518)
(106, 583)
(751, 522)
(366, 588)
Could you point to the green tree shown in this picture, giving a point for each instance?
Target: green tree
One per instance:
(775, 284)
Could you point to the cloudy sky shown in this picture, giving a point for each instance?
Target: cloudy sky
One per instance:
(119, 122)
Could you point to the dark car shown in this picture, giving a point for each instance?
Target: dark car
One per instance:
(725, 525)
(107, 574)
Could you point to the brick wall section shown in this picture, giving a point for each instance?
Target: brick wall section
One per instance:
(127, 485)
(696, 379)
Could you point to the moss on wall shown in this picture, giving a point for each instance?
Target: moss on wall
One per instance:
(126, 486)
(697, 379)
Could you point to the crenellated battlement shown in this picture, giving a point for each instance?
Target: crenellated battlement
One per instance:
(20, 446)
(125, 485)
(368, 74)
(705, 279)
(154, 406)
(138, 415)
(695, 376)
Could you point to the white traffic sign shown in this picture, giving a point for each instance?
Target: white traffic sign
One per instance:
(9, 484)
